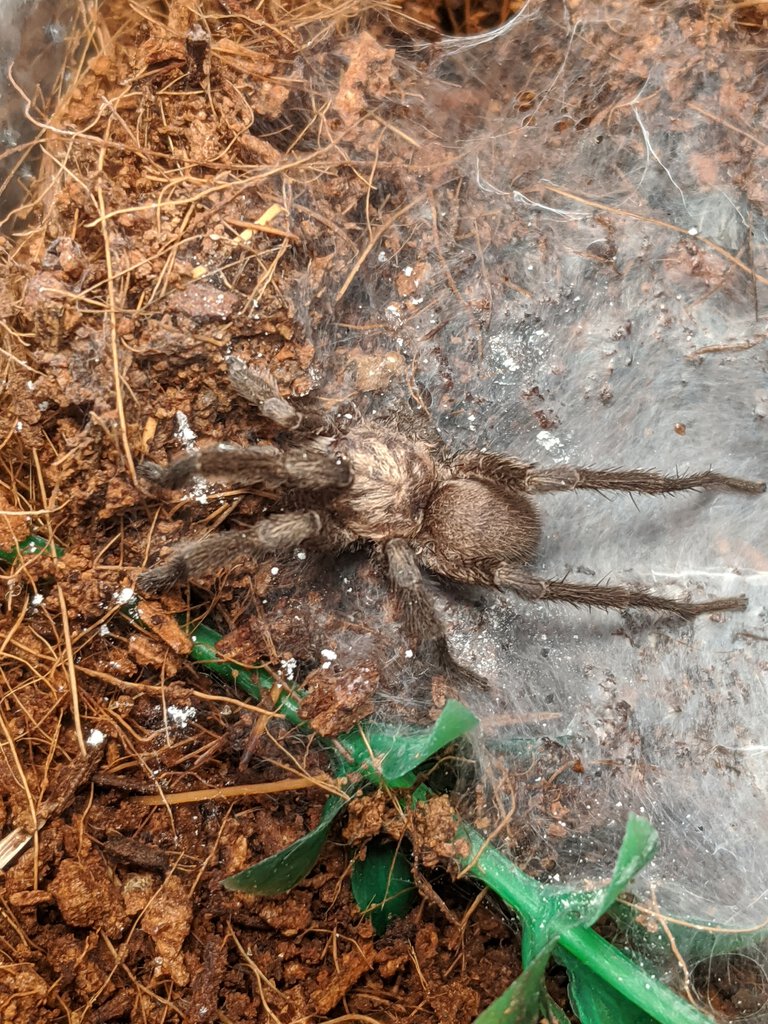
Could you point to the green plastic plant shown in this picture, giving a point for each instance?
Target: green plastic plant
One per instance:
(382, 883)
(605, 986)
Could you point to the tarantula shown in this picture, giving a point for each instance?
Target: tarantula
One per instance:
(467, 517)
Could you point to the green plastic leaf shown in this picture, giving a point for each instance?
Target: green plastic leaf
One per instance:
(596, 1002)
(32, 545)
(559, 912)
(524, 1002)
(382, 883)
(397, 753)
(552, 1012)
(566, 908)
(281, 871)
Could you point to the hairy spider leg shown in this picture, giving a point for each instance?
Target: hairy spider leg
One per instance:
(279, 532)
(421, 620)
(301, 468)
(533, 588)
(517, 475)
(640, 481)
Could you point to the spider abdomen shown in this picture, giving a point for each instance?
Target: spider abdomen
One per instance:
(391, 481)
(471, 527)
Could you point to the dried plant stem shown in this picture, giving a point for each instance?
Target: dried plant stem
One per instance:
(645, 219)
(69, 654)
(113, 340)
(235, 792)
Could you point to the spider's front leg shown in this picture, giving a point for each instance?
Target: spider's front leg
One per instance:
(303, 468)
(596, 595)
(279, 532)
(422, 623)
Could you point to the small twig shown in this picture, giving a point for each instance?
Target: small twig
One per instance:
(367, 249)
(113, 340)
(729, 124)
(712, 929)
(645, 219)
(235, 792)
(675, 951)
(68, 650)
(489, 839)
(739, 346)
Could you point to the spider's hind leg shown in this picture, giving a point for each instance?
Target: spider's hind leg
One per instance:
(516, 475)
(422, 623)
(639, 481)
(596, 595)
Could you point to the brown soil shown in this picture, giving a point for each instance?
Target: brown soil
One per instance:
(215, 181)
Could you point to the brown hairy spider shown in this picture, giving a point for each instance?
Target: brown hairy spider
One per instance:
(467, 517)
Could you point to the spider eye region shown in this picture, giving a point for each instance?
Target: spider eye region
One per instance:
(473, 526)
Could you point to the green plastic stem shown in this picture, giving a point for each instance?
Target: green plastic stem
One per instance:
(524, 895)
(258, 684)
